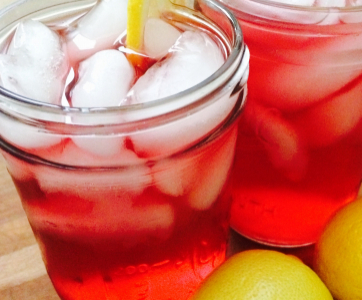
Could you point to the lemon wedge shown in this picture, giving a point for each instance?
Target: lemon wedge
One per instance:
(138, 12)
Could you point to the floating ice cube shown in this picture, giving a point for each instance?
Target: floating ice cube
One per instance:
(104, 80)
(91, 184)
(354, 16)
(18, 169)
(149, 218)
(326, 17)
(276, 11)
(175, 176)
(280, 140)
(105, 203)
(159, 36)
(92, 151)
(292, 86)
(194, 57)
(107, 148)
(215, 169)
(296, 2)
(98, 30)
(332, 119)
(26, 136)
(102, 146)
(333, 17)
(329, 18)
(199, 176)
(35, 65)
(183, 133)
(100, 204)
(330, 3)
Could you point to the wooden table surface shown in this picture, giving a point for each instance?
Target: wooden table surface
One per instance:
(22, 273)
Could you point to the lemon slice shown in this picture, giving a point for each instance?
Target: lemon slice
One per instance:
(137, 14)
(138, 11)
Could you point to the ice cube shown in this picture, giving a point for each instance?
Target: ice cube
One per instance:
(199, 176)
(104, 80)
(90, 184)
(98, 30)
(35, 65)
(25, 136)
(215, 169)
(175, 176)
(194, 57)
(99, 204)
(296, 2)
(183, 133)
(332, 119)
(92, 151)
(292, 86)
(331, 3)
(105, 203)
(354, 16)
(280, 139)
(275, 11)
(107, 148)
(17, 168)
(326, 17)
(150, 218)
(333, 17)
(159, 36)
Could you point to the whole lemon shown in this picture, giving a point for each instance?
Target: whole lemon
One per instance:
(338, 254)
(262, 275)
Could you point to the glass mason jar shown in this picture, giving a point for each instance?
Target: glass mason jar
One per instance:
(299, 153)
(128, 201)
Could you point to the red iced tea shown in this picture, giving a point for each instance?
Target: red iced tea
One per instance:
(128, 202)
(101, 240)
(299, 149)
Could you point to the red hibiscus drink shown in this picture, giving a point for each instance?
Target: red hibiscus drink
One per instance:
(299, 152)
(122, 169)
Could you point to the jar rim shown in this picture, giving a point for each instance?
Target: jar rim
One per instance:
(317, 9)
(191, 97)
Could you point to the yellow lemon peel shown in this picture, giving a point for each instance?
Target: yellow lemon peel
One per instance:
(138, 11)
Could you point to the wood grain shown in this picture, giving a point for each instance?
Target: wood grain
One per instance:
(22, 272)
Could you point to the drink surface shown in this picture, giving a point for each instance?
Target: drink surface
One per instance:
(139, 213)
(299, 153)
